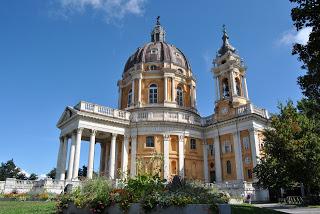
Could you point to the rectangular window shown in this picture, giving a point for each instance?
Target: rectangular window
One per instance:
(150, 141)
(227, 147)
(245, 142)
(193, 144)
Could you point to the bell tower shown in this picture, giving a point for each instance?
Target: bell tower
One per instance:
(229, 75)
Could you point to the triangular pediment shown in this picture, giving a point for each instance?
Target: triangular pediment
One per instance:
(67, 113)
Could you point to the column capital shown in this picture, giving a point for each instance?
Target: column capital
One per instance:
(114, 135)
(166, 137)
(252, 129)
(126, 137)
(93, 132)
(78, 131)
(204, 142)
(181, 137)
(133, 137)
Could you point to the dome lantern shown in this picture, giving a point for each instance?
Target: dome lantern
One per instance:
(158, 33)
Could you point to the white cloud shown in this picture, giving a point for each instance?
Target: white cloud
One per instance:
(301, 37)
(110, 9)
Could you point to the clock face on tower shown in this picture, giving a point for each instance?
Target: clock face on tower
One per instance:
(224, 110)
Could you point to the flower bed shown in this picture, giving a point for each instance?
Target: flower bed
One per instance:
(150, 192)
(30, 196)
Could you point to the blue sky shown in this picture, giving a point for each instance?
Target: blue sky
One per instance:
(55, 53)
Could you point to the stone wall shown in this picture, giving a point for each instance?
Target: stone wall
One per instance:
(23, 186)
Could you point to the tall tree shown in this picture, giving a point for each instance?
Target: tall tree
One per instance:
(292, 151)
(33, 176)
(306, 13)
(8, 170)
(52, 173)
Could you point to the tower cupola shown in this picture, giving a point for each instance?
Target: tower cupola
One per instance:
(229, 75)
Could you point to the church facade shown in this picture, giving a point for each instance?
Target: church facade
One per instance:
(157, 114)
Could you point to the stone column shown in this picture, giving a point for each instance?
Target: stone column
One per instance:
(195, 96)
(216, 85)
(233, 84)
(238, 156)
(106, 159)
(245, 87)
(205, 161)
(165, 89)
(64, 158)
(166, 142)
(191, 95)
(173, 90)
(139, 92)
(254, 144)
(91, 153)
(112, 156)
(102, 157)
(77, 154)
(181, 156)
(124, 161)
(116, 161)
(58, 166)
(132, 99)
(71, 156)
(217, 159)
(133, 167)
(218, 88)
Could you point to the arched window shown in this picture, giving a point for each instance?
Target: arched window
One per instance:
(180, 71)
(153, 94)
(130, 98)
(225, 88)
(228, 167)
(238, 87)
(153, 67)
(179, 96)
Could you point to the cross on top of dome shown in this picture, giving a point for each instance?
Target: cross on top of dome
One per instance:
(158, 33)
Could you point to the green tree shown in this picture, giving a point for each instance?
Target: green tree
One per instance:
(52, 173)
(8, 170)
(292, 151)
(33, 176)
(21, 176)
(306, 13)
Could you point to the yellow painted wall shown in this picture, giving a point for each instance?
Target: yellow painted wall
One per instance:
(193, 162)
(246, 153)
(227, 156)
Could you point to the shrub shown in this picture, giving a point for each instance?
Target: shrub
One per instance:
(149, 190)
(93, 194)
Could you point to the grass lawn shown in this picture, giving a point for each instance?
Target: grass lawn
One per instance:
(249, 209)
(26, 207)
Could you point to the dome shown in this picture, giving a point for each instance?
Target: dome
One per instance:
(157, 51)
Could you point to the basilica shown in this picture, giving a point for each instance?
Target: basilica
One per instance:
(157, 114)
